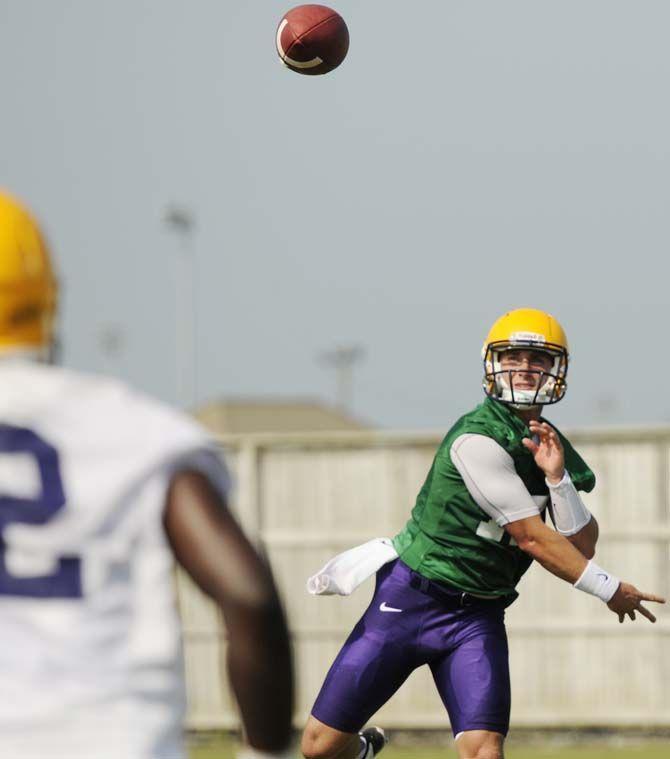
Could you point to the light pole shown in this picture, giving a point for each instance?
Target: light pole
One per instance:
(181, 221)
(342, 359)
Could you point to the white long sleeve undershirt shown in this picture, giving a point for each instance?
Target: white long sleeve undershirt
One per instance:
(491, 479)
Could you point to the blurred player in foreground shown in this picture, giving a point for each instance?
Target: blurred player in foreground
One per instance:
(99, 487)
(443, 585)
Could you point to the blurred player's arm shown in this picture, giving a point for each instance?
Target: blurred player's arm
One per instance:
(209, 544)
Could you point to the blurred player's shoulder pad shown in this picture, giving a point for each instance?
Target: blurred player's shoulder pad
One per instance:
(112, 420)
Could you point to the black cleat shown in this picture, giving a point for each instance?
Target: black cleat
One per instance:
(375, 737)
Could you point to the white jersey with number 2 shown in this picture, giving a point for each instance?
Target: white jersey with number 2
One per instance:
(90, 649)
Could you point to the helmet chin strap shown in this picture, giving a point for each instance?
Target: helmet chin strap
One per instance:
(54, 349)
(525, 406)
(521, 398)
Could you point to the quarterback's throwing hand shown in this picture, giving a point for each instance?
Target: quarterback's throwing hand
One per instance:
(628, 599)
(547, 450)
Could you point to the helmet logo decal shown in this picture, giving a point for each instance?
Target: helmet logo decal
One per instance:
(527, 337)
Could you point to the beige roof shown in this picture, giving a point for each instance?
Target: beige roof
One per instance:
(249, 415)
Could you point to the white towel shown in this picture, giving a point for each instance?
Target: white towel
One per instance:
(346, 571)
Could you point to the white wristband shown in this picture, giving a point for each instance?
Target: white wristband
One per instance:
(247, 752)
(596, 581)
(569, 513)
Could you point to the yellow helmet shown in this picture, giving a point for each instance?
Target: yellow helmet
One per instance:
(534, 330)
(28, 287)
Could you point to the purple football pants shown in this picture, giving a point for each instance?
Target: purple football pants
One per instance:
(465, 647)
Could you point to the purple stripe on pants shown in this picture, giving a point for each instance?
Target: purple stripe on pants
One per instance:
(464, 646)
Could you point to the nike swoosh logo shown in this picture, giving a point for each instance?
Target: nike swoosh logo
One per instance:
(384, 607)
(601, 574)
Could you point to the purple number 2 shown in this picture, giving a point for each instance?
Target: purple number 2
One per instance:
(65, 579)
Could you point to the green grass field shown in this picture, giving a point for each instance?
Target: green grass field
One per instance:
(223, 749)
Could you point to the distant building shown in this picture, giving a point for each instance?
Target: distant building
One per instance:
(230, 416)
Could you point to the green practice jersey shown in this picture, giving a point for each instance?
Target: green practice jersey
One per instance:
(449, 537)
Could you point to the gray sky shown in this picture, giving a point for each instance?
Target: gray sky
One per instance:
(465, 159)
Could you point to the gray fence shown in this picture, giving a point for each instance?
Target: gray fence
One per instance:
(307, 497)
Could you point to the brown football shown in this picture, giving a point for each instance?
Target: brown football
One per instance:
(312, 39)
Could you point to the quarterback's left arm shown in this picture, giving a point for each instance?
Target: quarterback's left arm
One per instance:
(568, 512)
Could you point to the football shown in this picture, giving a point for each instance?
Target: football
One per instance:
(312, 39)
